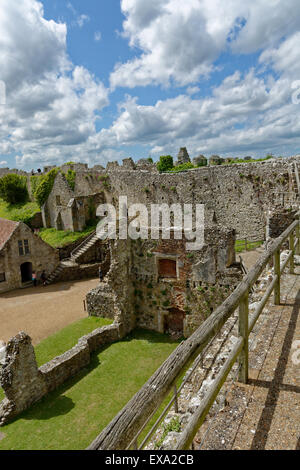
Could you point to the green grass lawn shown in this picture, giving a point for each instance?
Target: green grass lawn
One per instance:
(73, 415)
(60, 238)
(240, 245)
(18, 212)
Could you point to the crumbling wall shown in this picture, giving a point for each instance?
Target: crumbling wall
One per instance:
(138, 295)
(278, 221)
(24, 383)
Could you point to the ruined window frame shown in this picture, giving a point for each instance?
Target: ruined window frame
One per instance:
(162, 256)
(2, 277)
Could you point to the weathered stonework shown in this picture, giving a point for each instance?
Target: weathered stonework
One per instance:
(24, 383)
(191, 286)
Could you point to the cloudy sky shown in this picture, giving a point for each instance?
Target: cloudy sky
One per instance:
(103, 80)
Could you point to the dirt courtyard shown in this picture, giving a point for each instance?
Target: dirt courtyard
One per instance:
(42, 311)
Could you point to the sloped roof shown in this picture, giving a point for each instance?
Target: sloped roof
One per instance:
(7, 228)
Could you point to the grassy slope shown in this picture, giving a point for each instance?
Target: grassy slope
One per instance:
(60, 238)
(18, 212)
(72, 416)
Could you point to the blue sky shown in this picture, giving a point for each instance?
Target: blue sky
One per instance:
(102, 80)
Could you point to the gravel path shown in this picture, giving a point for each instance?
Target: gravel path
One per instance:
(42, 311)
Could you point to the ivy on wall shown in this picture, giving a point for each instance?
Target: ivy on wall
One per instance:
(45, 186)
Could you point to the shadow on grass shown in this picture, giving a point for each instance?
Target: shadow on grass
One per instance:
(56, 404)
(62, 405)
(151, 337)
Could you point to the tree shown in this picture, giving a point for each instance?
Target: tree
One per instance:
(165, 163)
(13, 189)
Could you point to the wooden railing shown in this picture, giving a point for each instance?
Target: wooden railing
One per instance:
(123, 431)
(85, 241)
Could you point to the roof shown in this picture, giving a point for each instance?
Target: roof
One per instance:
(7, 228)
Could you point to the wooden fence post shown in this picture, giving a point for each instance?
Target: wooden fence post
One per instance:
(243, 331)
(298, 237)
(291, 246)
(277, 273)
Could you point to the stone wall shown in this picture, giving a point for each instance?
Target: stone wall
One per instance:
(76, 272)
(237, 196)
(279, 221)
(138, 295)
(24, 383)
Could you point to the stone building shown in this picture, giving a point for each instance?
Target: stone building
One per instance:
(215, 160)
(158, 285)
(64, 210)
(183, 156)
(21, 253)
(200, 161)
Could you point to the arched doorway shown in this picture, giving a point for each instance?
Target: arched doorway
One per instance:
(26, 272)
(173, 322)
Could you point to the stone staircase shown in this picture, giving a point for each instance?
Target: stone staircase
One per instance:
(83, 248)
(74, 259)
(54, 274)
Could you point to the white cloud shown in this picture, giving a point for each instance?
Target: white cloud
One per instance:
(51, 105)
(82, 19)
(4, 162)
(244, 114)
(192, 90)
(97, 36)
(179, 41)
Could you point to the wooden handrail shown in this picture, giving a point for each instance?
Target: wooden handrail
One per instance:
(124, 427)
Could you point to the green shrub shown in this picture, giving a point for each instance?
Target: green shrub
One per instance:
(165, 163)
(13, 189)
(183, 167)
(70, 177)
(34, 182)
(44, 189)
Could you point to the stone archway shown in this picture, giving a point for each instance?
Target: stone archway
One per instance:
(26, 272)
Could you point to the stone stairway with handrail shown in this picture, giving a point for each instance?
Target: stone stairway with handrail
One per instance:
(74, 258)
(84, 246)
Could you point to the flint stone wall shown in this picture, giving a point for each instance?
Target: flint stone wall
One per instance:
(24, 383)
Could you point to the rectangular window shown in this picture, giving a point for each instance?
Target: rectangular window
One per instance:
(167, 268)
(2, 277)
(21, 250)
(26, 247)
(23, 247)
(58, 201)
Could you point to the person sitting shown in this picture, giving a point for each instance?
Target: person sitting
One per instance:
(43, 278)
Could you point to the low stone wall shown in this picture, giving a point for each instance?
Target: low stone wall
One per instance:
(24, 383)
(78, 272)
(100, 301)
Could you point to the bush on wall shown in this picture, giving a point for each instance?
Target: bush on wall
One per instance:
(13, 189)
(165, 163)
(44, 189)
